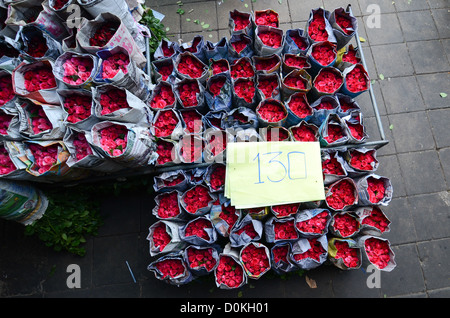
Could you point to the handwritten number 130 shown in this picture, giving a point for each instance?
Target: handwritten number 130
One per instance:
(287, 168)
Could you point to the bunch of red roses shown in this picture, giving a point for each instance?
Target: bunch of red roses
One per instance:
(188, 93)
(58, 4)
(41, 78)
(245, 88)
(218, 143)
(296, 61)
(197, 228)
(229, 215)
(280, 253)
(316, 27)
(5, 121)
(193, 120)
(284, 210)
(357, 80)
(191, 148)
(114, 64)
(191, 66)
(298, 104)
(345, 225)
(216, 84)
(173, 181)
(168, 205)
(328, 81)
(196, 198)
(240, 43)
(77, 70)
(348, 255)
(82, 147)
(165, 97)
(375, 189)
(271, 38)
(219, 66)
(301, 42)
(376, 219)
(6, 89)
(277, 134)
(378, 251)
(314, 252)
(248, 229)
(255, 259)
(295, 81)
(242, 68)
(345, 23)
(356, 130)
(304, 133)
(165, 123)
(285, 229)
(332, 166)
(6, 164)
(39, 119)
(315, 225)
(103, 34)
(44, 157)
(165, 70)
(113, 100)
(217, 177)
(160, 237)
(229, 272)
(172, 267)
(266, 63)
(201, 257)
(78, 107)
(268, 87)
(241, 20)
(271, 111)
(350, 56)
(113, 139)
(37, 46)
(334, 132)
(341, 194)
(363, 160)
(325, 104)
(324, 53)
(267, 17)
(164, 149)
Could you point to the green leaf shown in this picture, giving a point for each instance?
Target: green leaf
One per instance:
(246, 5)
(362, 39)
(64, 236)
(381, 77)
(197, 21)
(391, 126)
(188, 19)
(205, 26)
(280, 1)
(180, 11)
(443, 95)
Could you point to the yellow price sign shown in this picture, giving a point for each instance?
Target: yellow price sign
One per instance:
(272, 173)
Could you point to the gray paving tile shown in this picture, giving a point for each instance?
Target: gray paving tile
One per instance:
(374, 134)
(345, 283)
(435, 262)
(407, 277)
(444, 156)
(402, 227)
(390, 168)
(386, 6)
(401, 95)
(388, 32)
(224, 8)
(439, 293)
(411, 131)
(121, 214)
(171, 19)
(365, 102)
(428, 56)
(392, 60)
(204, 12)
(441, 18)
(422, 172)
(410, 5)
(439, 120)
(300, 9)
(438, 4)
(431, 85)
(418, 25)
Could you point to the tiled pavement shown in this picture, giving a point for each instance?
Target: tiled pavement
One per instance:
(412, 51)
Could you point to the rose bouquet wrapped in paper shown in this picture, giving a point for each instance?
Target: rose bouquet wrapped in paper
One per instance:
(240, 23)
(354, 125)
(219, 66)
(10, 124)
(167, 205)
(318, 27)
(240, 45)
(188, 66)
(192, 121)
(164, 70)
(255, 258)
(280, 255)
(35, 81)
(310, 253)
(166, 49)
(280, 229)
(268, 86)
(41, 122)
(323, 107)
(197, 201)
(223, 215)
(374, 190)
(360, 161)
(344, 224)
(163, 237)
(172, 269)
(76, 70)
(266, 64)
(190, 93)
(322, 54)
(341, 195)
(268, 40)
(199, 231)
(373, 220)
(333, 166)
(304, 131)
(38, 44)
(298, 109)
(244, 93)
(246, 230)
(166, 152)
(216, 142)
(190, 148)
(271, 112)
(78, 105)
(275, 133)
(196, 47)
(332, 131)
(215, 177)
(170, 180)
(344, 253)
(218, 93)
(48, 158)
(378, 252)
(298, 80)
(344, 26)
(328, 81)
(162, 97)
(356, 80)
(229, 273)
(202, 260)
(346, 105)
(292, 62)
(216, 51)
(296, 42)
(312, 222)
